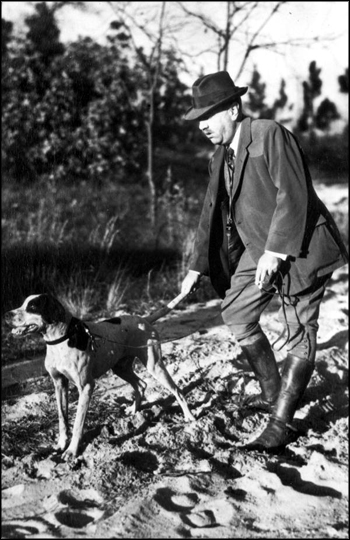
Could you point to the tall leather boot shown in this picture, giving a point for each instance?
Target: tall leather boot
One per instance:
(296, 376)
(262, 361)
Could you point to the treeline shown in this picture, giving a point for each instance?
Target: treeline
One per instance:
(326, 150)
(81, 111)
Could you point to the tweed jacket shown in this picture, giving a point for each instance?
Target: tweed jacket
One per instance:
(275, 208)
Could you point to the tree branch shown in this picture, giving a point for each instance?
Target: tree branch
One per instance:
(250, 46)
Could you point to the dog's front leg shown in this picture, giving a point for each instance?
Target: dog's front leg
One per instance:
(61, 391)
(85, 394)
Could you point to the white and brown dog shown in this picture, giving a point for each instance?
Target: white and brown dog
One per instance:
(81, 352)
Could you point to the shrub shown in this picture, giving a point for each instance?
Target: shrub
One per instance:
(328, 156)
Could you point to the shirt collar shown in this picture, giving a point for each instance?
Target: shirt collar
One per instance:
(235, 140)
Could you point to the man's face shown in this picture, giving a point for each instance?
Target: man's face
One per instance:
(220, 128)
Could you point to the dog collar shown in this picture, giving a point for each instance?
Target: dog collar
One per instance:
(70, 332)
(59, 340)
(78, 336)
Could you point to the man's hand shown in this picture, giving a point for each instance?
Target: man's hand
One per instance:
(191, 282)
(267, 266)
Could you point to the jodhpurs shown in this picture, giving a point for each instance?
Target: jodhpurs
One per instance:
(244, 303)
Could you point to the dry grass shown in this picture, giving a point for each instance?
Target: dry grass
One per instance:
(92, 248)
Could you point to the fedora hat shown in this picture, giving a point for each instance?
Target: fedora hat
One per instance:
(210, 92)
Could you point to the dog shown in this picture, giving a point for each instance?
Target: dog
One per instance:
(81, 352)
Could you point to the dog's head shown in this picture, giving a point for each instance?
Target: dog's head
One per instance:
(36, 313)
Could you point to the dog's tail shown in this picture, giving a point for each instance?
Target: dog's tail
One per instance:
(165, 310)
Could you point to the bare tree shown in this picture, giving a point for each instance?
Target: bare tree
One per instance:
(151, 61)
(243, 25)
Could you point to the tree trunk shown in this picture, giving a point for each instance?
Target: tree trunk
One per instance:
(150, 176)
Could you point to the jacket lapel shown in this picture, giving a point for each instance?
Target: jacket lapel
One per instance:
(217, 161)
(242, 152)
(216, 166)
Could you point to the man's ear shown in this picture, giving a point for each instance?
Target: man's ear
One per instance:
(234, 112)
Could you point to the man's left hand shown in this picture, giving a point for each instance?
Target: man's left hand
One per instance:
(267, 266)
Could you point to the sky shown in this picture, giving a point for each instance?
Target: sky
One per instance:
(296, 19)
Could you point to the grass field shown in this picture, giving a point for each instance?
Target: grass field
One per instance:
(91, 238)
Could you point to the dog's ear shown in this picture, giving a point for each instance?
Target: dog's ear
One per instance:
(80, 335)
(51, 309)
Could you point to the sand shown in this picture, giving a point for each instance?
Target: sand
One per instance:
(153, 476)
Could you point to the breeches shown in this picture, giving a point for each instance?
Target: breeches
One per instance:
(244, 303)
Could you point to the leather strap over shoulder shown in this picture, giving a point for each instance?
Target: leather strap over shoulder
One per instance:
(78, 336)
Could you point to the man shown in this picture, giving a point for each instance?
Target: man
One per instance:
(262, 230)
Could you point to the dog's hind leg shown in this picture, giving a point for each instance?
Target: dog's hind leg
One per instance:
(124, 370)
(157, 369)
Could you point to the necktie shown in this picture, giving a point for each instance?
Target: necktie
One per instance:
(229, 172)
(230, 157)
(230, 161)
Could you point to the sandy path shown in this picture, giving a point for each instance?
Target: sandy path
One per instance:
(154, 477)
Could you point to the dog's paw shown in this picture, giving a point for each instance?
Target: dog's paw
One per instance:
(61, 445)
(70, 455)
(130, 410)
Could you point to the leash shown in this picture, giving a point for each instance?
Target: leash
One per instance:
(166, 309)
(276, 288)
(151, 318)
(279, 288)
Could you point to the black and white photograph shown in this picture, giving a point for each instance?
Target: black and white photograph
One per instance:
(175, 264)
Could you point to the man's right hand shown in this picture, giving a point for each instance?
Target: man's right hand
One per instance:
(191, 282)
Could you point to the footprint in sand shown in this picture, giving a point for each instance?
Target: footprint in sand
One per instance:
(194, 508)
(186, 506)
(26, 528)
(206, 518)
(172, 501)
(185, 500)
(75, 510)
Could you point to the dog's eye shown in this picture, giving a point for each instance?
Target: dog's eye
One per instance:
(32, 308)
